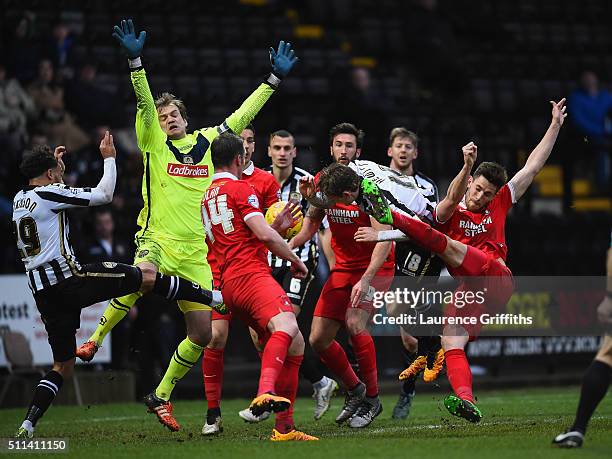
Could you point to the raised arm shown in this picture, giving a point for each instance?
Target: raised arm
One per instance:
(282, 61)
(538, 157)
(148, 130)
(458, 187)
(310, 226)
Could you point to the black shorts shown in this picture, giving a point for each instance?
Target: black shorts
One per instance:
(412, 260)
(60, 305)
(295, 288)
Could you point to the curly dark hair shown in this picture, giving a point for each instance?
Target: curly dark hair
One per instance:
(336, 178)
(37, 160)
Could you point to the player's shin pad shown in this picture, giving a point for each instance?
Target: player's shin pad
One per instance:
(186, 355)
(116, 310)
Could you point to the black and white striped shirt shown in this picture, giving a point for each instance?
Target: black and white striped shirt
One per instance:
(309, 251)
(40, 225)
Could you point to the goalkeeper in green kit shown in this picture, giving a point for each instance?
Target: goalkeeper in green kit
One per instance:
(177, 171)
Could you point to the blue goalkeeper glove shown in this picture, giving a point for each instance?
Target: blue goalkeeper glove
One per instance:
(126, 36)
(283, 59)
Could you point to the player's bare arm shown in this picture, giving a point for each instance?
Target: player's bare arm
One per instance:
(276, 244)
(369, 234)
(308, 190)
(538, 157)
(325, 243)
(458, 187)
(312, 223)
(379, 255)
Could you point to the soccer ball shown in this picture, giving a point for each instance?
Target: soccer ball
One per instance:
(276, 209)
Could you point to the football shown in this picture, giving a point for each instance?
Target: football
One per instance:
(276, 209)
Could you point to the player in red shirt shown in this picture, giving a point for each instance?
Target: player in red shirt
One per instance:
(471, 242)
(240, 237)
(267, 191)
(346, 298)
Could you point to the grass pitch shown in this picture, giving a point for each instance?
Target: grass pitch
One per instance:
(517, 423)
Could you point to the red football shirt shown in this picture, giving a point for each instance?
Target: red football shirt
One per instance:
(266, 186)
(484, 230)
(344, 221)
(226, 207)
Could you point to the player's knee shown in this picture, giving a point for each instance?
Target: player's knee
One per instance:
(297, 345)
(318, 341)
(149, 274)
(218, 338)
(201, 337)
(453, 342)
(354, 325)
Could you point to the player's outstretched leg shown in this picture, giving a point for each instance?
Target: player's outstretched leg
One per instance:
(170, 287)
(212, 371)
(323, 387)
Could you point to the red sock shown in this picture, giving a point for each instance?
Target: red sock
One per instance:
(273, 360)
(459, 374)
(286, 386)
(335, 359)
(212, 370)
(421, 233)
(365, 353)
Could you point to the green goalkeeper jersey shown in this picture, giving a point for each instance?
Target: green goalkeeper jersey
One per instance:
(177, 172)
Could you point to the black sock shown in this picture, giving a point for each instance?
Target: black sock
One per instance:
(595, 384)
(310, 368)
(212, 414)
(177, 288)
(45, 392)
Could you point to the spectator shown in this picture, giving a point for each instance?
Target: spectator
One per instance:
(363, 105)
(92, 105)
(60, 48)
(23, 54)
(53, 118)
(15, 109)
(589, 109)
(106, 247)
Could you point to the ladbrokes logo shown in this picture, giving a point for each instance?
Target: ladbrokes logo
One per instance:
(187, 170)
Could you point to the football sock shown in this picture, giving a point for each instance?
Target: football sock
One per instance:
(335, 359)
(45, 392)
(421, 233)
(459, 374)
(595, 383)
(212, 370)
(115, 311)
(286, 386)
(272, 361)
(365, 353)
(310, 367)
(186, 355)
(176, 288)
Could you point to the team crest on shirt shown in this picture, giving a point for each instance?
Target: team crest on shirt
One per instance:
(188, 160)
(253, 201)
(109, 264)
(143, 253)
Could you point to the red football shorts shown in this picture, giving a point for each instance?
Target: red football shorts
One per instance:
(335, 297)
(480, 272)
(255, 300)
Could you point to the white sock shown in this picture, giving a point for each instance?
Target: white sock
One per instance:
(27, 425)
